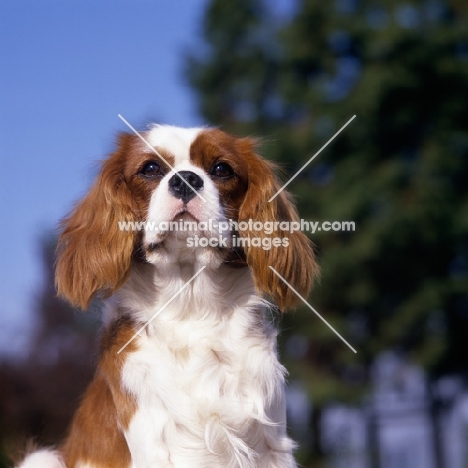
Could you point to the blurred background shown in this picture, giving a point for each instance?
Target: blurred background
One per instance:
(292, 72)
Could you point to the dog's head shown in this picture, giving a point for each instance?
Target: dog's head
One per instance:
(183, 195)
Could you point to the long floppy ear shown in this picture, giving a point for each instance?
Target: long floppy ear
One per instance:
(294, 257)
(93, 254)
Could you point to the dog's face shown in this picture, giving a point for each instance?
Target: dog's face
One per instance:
(177, 175)
(197, 180)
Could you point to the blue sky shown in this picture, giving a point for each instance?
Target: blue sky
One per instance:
(66, 70)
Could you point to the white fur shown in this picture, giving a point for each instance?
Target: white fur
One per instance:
(175, 140)
(208, 384)
(43, 459)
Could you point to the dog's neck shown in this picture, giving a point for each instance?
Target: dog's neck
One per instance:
(183, 291)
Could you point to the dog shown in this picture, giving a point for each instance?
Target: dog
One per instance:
(188, 373)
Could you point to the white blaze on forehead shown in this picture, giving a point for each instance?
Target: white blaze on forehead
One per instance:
(175, 140)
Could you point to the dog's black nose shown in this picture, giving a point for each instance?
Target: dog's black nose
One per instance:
(183, 183)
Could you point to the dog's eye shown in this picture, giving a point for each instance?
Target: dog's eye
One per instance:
(222, 170)
(151, 170)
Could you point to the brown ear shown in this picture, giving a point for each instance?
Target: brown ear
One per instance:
(93, 254)
(294, 262)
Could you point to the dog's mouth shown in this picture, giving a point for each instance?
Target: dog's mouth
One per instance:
(180, 226)
(185, 215)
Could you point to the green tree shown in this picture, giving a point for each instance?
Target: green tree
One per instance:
(400, 171)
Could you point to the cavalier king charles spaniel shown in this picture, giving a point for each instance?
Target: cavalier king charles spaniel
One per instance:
(188, 373)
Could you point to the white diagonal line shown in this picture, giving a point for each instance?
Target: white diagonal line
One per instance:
(312, 158)
(155, 151)
(161, 309)
(311, 308)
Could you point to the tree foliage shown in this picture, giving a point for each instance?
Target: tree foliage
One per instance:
(400, 171)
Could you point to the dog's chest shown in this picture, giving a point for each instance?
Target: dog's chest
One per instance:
(199, 384)
(200, 364)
